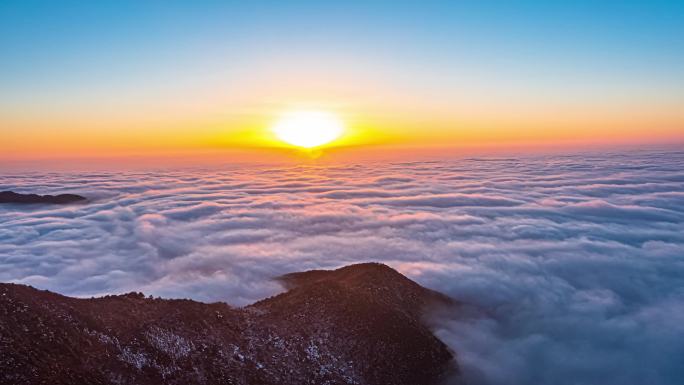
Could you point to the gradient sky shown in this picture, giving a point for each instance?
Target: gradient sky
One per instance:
(86, 78)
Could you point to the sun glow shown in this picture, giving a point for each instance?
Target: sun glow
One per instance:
(308, 129)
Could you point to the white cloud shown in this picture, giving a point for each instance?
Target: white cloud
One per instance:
(574, 266)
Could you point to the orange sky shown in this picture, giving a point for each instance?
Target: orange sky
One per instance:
(93, 133)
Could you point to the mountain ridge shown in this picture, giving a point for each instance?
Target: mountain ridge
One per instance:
(361, 324)
(13, 197)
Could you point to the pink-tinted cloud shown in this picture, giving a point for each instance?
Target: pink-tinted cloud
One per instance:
(572, 266)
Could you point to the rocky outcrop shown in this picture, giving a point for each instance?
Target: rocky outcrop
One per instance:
(12, 197)
(361, 324)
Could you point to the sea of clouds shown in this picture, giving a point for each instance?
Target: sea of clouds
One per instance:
(575, 264)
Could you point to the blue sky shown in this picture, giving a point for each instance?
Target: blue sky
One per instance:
(52, 41)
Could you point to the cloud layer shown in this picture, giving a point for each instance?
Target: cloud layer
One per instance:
(574, 264)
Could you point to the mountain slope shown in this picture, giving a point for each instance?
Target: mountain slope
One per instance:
(356, 325)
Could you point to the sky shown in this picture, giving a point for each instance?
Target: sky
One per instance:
(134, 78)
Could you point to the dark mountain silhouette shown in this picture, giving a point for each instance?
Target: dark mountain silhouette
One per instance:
(361, 324)
(12, 197)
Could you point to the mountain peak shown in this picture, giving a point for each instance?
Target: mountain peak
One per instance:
(360, 272)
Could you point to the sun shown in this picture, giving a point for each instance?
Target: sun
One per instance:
(308, 129)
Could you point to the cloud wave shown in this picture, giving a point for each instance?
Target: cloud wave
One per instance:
(574, 264)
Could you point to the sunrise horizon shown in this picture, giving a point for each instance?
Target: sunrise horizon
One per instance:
(434, 192)
(139, 85)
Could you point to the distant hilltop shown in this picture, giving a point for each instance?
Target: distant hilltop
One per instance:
(12, 197)
(361, 324)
